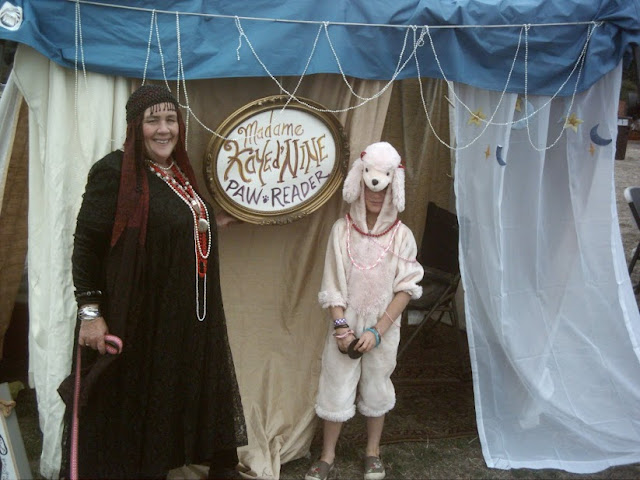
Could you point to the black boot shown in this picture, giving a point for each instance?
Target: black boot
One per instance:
(223, 465)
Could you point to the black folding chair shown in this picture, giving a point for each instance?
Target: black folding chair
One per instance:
(632, 196)
(438, 255)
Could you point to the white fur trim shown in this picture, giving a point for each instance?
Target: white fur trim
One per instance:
(331, 299)
(368, 412)
(415, 292)
(353, 183)
(336, 417)
(397, 184)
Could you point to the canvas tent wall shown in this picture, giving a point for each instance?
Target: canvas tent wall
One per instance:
(229, 59)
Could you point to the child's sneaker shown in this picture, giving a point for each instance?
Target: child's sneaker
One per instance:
(373, 468)
(319, 471)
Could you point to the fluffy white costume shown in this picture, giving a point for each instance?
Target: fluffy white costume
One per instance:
(362, 273)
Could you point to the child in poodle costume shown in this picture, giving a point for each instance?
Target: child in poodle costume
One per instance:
(370, 274)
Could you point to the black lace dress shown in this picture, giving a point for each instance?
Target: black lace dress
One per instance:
(171, 397)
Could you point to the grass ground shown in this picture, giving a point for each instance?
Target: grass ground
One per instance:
(452, 458)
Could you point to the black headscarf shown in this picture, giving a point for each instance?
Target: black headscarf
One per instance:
(133, 197)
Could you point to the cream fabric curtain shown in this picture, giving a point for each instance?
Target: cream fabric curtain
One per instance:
(552, 321)
(426, 158)
(271, 276)
(63, 143)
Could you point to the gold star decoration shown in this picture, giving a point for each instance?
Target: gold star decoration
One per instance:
(592, 149)
(476, 117)
(487, 152)
(519, 104)
(572, 122)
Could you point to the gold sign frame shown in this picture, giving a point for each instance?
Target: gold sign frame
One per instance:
(244, 186)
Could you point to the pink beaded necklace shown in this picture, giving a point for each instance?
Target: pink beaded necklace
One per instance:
(393, 228)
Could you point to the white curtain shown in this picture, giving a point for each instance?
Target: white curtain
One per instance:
(552, 321)
(65, 139)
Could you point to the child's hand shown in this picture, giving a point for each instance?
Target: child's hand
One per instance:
(367, 342)
(343, 343)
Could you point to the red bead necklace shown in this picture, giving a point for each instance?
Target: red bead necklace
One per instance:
(201, 225)
(355, 227)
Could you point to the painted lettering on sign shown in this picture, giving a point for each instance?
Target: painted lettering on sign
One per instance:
(276, 160)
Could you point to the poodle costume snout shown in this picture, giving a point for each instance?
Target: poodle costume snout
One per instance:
(364, 269)
(377, 168)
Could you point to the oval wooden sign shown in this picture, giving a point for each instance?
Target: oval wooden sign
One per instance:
(274, 162)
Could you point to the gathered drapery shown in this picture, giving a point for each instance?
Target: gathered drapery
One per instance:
(551, 317)
(13, 199)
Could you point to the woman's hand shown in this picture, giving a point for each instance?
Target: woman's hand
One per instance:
(223, 219)
(92, 334)
(367, 342)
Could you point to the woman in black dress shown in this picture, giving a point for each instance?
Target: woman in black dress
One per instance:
(145, 268)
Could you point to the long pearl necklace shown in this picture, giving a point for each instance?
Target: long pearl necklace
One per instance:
(350, 223)
(201, 226)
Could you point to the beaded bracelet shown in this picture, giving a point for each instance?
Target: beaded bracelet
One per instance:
(343, 335)
(90, 293)
(375, 332)
(340, 322)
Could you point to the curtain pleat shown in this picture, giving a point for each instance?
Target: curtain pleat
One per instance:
(13, 201)
(422, 143)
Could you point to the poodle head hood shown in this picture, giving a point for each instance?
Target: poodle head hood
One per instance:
(377, 168)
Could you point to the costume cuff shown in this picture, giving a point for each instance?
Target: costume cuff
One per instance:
(331, 299)
(336, 416)
(415, 291)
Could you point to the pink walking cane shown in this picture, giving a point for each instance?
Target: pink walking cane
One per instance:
(114, 346)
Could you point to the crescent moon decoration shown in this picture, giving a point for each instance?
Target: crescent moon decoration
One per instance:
(597, 139)
(499, 158)
(522, 122)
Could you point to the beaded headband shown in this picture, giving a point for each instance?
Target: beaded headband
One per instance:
(147, 96)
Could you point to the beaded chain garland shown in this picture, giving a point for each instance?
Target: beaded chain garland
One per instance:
(393, 229)
(201, 225)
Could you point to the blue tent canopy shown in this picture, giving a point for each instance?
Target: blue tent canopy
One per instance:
(470, 41)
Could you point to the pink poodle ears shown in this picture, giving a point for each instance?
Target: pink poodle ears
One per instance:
(353, 183)
(397, 185)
